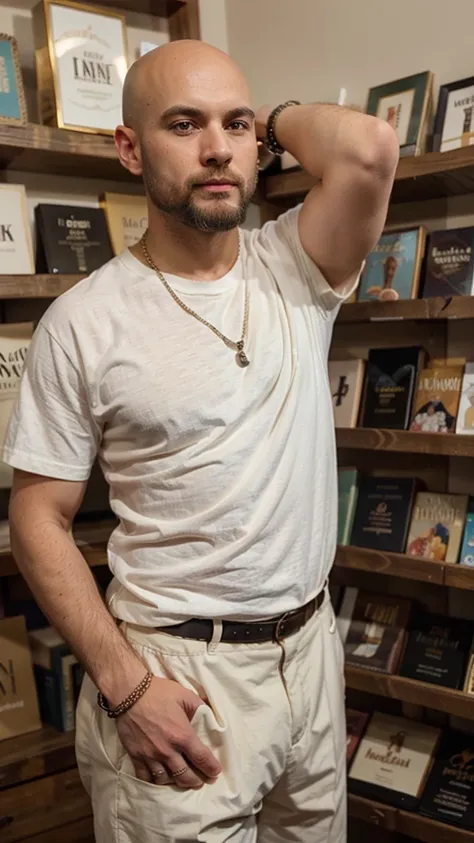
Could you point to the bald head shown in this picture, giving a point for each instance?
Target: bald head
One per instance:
(163, 73)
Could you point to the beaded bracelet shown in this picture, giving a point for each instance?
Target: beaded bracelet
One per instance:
(127, 703)
(270, 141)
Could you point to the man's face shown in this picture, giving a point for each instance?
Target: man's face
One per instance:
(198, 148)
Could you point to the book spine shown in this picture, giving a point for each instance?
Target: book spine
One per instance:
(48, 696)
(57, 657)
(69, 711)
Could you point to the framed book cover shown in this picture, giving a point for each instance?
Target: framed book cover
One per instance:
(393, 760)
(437, 526)
(449, 792)
(377, 632)
(465, 421)
(392, 270)
(16, 248)
(12, 94)
(405, 104)
(449, 269)
(436, 403)
(437, 650)
(390, 386)
(71, 239)
(466, 557)
(346, 379)
(454, 121)
(81, 63)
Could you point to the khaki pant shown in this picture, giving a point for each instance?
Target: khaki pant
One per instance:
(277, 730)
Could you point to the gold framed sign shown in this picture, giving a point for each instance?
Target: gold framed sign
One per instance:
(81, 65)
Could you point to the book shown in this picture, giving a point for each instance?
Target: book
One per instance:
(465, 418)
(383, 512)
(346, 379)
(437, 526)
(346, 610)
(14, 343)
(71, 239)
(127, 219)
(393, 760)
(19, 712)
(437, 650)
(356, 721)
(377, 632)
(450, 263)
(466, 557)
(52, 667)
(346, 503)
(437, 400)
(449, 792)
(390, 386)
(16, 249)
(406, 105)
(392, 270)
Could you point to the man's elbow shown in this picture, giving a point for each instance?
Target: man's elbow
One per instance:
(377, 150)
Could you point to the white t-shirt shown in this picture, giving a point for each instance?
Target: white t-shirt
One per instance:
(223, 478)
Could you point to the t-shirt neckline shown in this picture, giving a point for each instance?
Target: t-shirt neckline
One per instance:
(187, 285)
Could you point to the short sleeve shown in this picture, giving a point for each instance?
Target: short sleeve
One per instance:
(285, 233)
(51, 429)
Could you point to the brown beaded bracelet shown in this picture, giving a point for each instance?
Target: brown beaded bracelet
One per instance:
(271, 141)
(127, 703)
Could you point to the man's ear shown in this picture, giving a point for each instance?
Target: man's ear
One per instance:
(126, 143)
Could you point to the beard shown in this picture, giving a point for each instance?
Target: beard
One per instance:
(179, 200)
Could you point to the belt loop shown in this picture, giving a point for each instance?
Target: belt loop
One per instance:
(216, 637)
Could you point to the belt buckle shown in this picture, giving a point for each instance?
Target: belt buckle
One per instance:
(280, 624)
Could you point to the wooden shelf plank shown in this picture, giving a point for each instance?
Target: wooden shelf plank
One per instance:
(459, 576)
(454, 307)
(389, 818)
(36, 286)
(42, 149)
(447, 700)
(36, 754)
(157, 8)
(404, 441)
(429, 176)
(394, 564)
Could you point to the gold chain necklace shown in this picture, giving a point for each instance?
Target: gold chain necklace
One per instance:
(241, 356)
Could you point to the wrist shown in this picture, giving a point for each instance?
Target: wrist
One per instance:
(120, 680)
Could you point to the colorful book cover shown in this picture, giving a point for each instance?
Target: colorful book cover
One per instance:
(346, 379)
(347, 499)
(393, 760)
(377, 632)
(450, 263)
(465, 422)
(466, 557)
(383, 512)
(392, 270)
(390, 387)
(437, 650)
(437, 400)
(437, 526)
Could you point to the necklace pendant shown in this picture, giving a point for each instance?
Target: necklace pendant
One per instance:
(242, 358)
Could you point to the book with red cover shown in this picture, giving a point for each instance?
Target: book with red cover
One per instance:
(356, 721)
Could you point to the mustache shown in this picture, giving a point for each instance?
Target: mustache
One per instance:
(223, 175)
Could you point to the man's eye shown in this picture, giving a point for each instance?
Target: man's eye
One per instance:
(238, 126)
(183, 127)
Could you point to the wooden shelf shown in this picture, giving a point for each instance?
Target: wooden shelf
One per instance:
(395, 565)
(91, 539)
(429, 176)
(35, 754)
(456, 703)
(404, 441)
(389, 818)
(42, 149)
(454, 307)
(158, 8)
(36, 286)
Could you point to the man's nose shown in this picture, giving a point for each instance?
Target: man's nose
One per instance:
(215, 147)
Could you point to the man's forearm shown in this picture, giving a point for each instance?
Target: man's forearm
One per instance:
(317, 135)
(65, 590)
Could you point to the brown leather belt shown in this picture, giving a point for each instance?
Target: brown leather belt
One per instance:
(237, 632)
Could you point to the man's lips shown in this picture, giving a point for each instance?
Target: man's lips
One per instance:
(215, 186)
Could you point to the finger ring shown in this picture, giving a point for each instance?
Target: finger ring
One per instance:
(158, 772)
(178, 773)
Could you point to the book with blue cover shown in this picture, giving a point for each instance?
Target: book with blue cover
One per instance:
(392, 270)
(466, 556)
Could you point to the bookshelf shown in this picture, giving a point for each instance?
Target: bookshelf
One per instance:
(403, 441)
(389, 819)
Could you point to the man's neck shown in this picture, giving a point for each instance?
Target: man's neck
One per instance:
(180, 250)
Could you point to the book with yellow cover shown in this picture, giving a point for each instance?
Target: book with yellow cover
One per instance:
(437, 400)
(127, 219)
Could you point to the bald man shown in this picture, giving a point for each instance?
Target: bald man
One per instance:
(195, 366)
